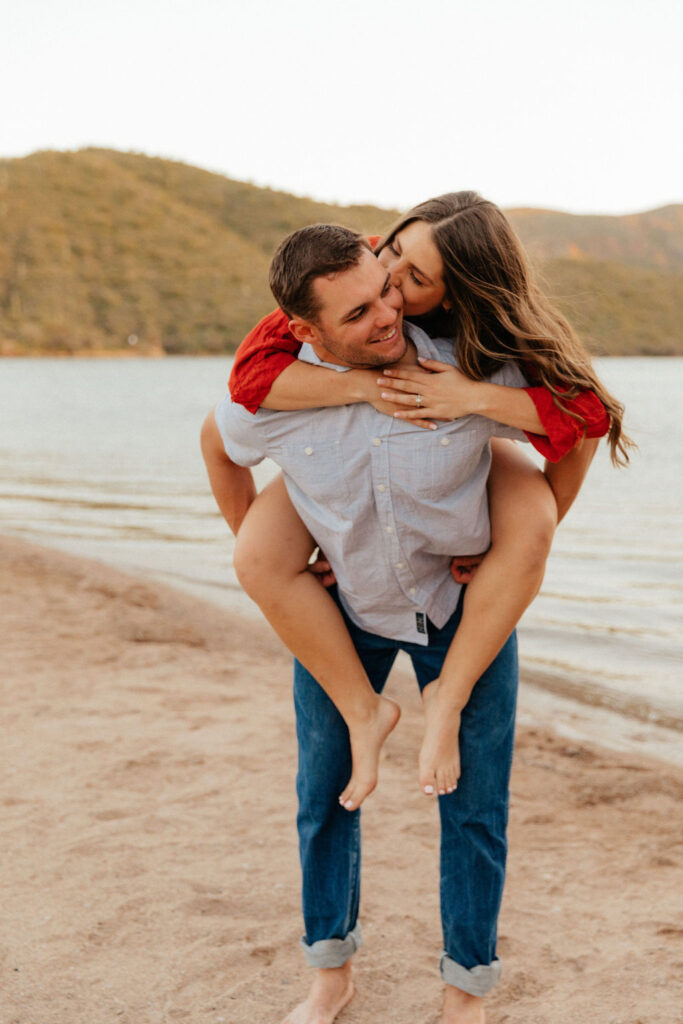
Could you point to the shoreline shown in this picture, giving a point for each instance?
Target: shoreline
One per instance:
(572, 706)
(151, 871)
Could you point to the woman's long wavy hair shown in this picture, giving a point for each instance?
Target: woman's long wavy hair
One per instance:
(496, 310)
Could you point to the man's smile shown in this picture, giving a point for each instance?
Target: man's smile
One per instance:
(388, 337)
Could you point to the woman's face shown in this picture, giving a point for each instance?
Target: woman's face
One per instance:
(415, 265)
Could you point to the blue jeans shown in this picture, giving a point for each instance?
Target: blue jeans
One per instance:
(473, 818)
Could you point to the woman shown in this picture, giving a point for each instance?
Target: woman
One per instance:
(464, 274)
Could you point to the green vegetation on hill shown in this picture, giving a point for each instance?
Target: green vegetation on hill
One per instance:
(109, 251)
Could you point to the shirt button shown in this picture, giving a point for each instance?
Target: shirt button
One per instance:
(309, 450)
(445, 440)
(412, 590)
(381, 488)
(377, 441)
(399, 565)
(390, 529)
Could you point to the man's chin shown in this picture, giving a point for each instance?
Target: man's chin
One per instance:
(393, 353)
(397, 352)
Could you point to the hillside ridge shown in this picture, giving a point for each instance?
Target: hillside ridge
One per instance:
(103, 251)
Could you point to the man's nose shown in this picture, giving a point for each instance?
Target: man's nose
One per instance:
(388, 311)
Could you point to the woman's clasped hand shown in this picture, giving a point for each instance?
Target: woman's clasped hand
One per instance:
(445, 392)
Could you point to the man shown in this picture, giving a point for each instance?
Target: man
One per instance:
(388, 505)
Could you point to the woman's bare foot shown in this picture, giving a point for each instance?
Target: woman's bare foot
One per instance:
(461, 1008)
(439, 761)
(331, 990)
(367, 739)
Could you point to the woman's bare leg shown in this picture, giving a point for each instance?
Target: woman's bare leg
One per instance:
(271, 557)
(523, 518)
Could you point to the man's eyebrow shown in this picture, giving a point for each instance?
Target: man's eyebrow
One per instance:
(353, 312)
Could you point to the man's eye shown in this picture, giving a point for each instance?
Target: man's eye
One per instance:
(358, 315)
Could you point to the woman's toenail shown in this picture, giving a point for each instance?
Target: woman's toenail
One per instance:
(429, 790)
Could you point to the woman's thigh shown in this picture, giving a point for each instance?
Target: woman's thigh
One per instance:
(272, 537)
(521, 500)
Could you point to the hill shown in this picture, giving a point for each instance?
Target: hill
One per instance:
(109, 251)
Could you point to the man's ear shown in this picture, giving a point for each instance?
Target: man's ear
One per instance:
(303, 330)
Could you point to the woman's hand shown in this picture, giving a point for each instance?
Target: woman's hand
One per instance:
(365, 381)
(446, 393)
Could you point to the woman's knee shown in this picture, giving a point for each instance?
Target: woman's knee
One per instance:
(523, 506)
(252, 567)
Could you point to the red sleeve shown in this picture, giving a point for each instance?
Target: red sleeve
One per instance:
(564, 432)
(266, 351)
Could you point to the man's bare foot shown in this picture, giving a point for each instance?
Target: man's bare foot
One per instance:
(331, 990)
(461, 1008)
(367, 739)
(439, 761)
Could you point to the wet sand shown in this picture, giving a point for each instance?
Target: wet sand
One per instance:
(150, 868)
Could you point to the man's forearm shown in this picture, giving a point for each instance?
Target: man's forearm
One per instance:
(232, 485)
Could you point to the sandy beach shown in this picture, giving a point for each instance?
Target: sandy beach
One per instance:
(150, 870)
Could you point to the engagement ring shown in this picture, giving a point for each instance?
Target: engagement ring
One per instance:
(418, 401)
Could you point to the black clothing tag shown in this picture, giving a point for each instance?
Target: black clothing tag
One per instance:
(421, 622)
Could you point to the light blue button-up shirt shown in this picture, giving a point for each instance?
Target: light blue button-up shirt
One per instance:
(388, 503)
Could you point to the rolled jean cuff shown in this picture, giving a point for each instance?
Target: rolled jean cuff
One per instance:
(333, 952)
(476, 981)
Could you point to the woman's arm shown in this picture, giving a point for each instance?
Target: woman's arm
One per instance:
(267, 374)
(447, 394)
(265, 352)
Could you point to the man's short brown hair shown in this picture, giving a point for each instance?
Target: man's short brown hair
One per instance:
(310, 252)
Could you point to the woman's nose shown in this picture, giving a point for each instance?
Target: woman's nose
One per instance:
(396, 273)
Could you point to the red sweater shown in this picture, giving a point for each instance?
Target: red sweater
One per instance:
(269, 348)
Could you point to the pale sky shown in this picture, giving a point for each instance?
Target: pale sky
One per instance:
(566, 105)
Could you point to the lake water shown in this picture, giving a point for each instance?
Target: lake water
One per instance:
(101, 458)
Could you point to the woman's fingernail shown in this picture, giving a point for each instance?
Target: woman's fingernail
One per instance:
(432, 426)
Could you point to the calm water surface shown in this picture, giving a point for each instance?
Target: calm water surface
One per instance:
(102, 458)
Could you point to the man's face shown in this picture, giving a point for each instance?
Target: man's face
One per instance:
(361, 317)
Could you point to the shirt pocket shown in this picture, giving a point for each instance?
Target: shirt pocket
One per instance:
(447, 462)
(318, 469)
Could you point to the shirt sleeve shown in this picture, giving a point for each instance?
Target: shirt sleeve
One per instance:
(565, 432)
(239, 433)
(266, 351)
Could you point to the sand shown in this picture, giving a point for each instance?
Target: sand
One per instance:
(149, 861)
